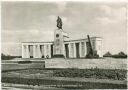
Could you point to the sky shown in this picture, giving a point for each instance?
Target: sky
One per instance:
(36, 21)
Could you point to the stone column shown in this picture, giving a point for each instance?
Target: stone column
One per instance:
(23, 51)
(69, 48)
(38, 51)
(74, 50)
(85, 49)
(71, 51)
(64, 51)
(41, 50)
(45, 52)
(27, 52)
(34, 51)
(49, 50)
(80, 49)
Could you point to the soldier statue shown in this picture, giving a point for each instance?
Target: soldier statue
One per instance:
(59, 23)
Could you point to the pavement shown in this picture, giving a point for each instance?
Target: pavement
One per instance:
(10, 86)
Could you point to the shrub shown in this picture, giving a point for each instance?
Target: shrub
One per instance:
(24, 62)
(108, 54)
(8, 57)
(115, 74)
(58, 56)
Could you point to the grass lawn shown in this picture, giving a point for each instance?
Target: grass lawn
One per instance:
(35, 73)
(69, 78)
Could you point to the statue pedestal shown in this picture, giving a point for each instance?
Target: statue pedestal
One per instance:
(58, 50)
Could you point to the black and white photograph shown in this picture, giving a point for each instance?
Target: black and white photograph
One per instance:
(63, 45)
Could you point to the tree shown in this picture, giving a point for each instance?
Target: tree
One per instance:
(107, 54)
(2, 54)
(121, 53)
(6, 57)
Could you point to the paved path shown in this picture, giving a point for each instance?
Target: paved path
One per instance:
(9, 86)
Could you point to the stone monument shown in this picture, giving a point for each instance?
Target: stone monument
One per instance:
(58, 50)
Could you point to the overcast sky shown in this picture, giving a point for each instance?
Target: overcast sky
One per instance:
(36, 21)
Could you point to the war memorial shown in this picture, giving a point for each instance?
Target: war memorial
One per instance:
(59, 47)
(61, 64)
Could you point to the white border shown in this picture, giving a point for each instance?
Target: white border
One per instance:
(105, 1)
(91, 1)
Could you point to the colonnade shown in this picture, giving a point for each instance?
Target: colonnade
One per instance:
(38, 51)
(72, 49)
(77, 49)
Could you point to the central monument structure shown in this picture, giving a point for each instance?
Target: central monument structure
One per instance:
(58, 45)
(80, 48)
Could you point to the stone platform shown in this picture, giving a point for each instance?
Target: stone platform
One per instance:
(106, 63)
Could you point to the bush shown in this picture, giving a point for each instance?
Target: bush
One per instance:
(58, 56)
(119, 55)
(8, 57)
(115, 74)
(24, 62)
(108, 54)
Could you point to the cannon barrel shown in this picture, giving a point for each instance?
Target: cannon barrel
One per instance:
(90, 46)
(91, 53)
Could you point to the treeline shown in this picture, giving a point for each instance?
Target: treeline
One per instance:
(8, 57)
(119, 55)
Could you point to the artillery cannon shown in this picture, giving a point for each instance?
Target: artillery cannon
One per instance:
(90, 52)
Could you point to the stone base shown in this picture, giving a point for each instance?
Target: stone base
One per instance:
(58, 56)
(106, 63)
